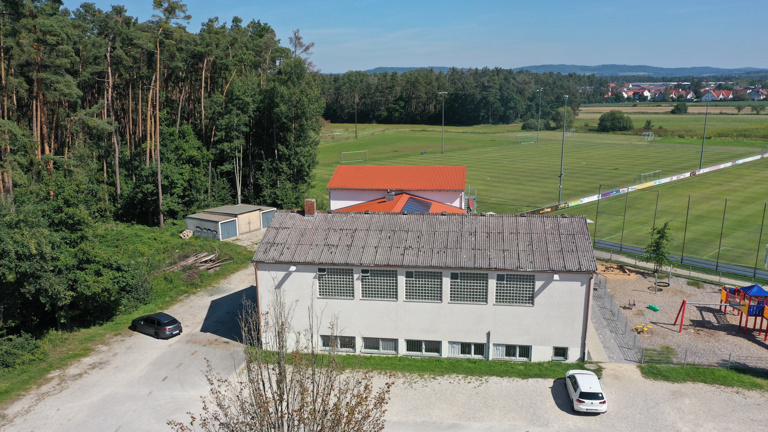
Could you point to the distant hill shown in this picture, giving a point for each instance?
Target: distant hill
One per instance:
(638, 70)
(608, 70)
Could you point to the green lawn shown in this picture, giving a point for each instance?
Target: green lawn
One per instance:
(513, 178)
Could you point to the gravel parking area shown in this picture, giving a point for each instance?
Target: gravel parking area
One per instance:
(709, 336)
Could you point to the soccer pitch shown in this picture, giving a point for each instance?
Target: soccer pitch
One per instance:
(513, 178)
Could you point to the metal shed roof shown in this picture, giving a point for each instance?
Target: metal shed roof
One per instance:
(210, 217)
(452, 241)
(237, 209)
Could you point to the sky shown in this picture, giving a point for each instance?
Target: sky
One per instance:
(363, 34)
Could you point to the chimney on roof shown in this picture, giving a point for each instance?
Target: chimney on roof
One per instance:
(390, 196)
(310, 208)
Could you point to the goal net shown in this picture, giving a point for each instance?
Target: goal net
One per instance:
(569, 132)
(648, 136)
(647, 177)
(353, 156)
(526, 139)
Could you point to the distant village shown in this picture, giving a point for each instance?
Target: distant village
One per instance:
(677, 91)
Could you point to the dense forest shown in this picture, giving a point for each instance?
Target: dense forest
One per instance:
(473, 96)
(104, 118)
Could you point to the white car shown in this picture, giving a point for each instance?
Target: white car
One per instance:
(585, 391)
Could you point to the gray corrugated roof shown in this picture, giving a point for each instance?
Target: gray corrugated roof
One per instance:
(453, 241)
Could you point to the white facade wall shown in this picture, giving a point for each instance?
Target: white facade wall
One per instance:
(345, 198)
(557, 319)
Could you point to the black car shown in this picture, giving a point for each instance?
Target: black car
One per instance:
(159, 325)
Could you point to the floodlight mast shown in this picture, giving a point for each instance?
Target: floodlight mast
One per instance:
(538, 125)
(562, 152)
(704, 138)
(442, 94)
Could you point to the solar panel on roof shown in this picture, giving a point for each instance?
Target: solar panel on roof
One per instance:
(415, 205)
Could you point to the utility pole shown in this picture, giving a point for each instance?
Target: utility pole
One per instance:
(562, 152)
(538, 127)
(442, 94)
(701, 159)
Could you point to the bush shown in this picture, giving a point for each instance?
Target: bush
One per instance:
(19, 350)
(680, 108)
(530, 124)
(614, 120)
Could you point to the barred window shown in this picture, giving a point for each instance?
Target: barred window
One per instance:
(422, 347)
(467, 349)
(338, 343)
(469, 287)
(378, 284)
(424, 286)
(335, 283)
(512, 352)
(515, 289)
(380, 345)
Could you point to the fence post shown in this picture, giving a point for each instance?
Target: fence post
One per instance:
(729, 359)
(642, 355)
(685, 358)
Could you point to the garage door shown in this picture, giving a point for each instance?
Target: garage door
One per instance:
(266, 218)
(228, 229)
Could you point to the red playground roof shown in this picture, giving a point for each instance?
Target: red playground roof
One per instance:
(402, 202)
(366, 177)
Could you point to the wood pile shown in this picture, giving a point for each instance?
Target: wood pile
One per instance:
(200, 261)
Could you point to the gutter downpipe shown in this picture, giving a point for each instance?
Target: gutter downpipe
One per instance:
(590, 288)
(258, 301)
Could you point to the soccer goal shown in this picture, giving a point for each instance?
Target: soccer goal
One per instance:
(648, 136)
(526, 139)
(648, 177)
(569, 132)
(353, 156)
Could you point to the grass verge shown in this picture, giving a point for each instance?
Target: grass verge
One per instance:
(466, 367)
(740, 378)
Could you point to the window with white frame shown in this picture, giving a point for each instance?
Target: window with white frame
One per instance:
(560, 353)
(379, 345)
(424, 286)
(422, 347)
(467, 349)
(335, 283)
(378, 284)
(512, 352)
(515, 289)
(338, 343)
(469, 287)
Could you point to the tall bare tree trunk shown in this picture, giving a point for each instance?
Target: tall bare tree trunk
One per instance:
(157, 135)
(111, 112)
(149, 132)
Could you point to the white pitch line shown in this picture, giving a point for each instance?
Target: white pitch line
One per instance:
(630, 230)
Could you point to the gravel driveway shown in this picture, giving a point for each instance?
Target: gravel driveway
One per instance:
(136, 382)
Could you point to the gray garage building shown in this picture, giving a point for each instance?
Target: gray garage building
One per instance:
(230, 221)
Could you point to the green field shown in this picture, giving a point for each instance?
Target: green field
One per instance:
(513, 178)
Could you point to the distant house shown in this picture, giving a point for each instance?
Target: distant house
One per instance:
(354, 185)
(445, 285)
(756, 94)
(709, 97)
